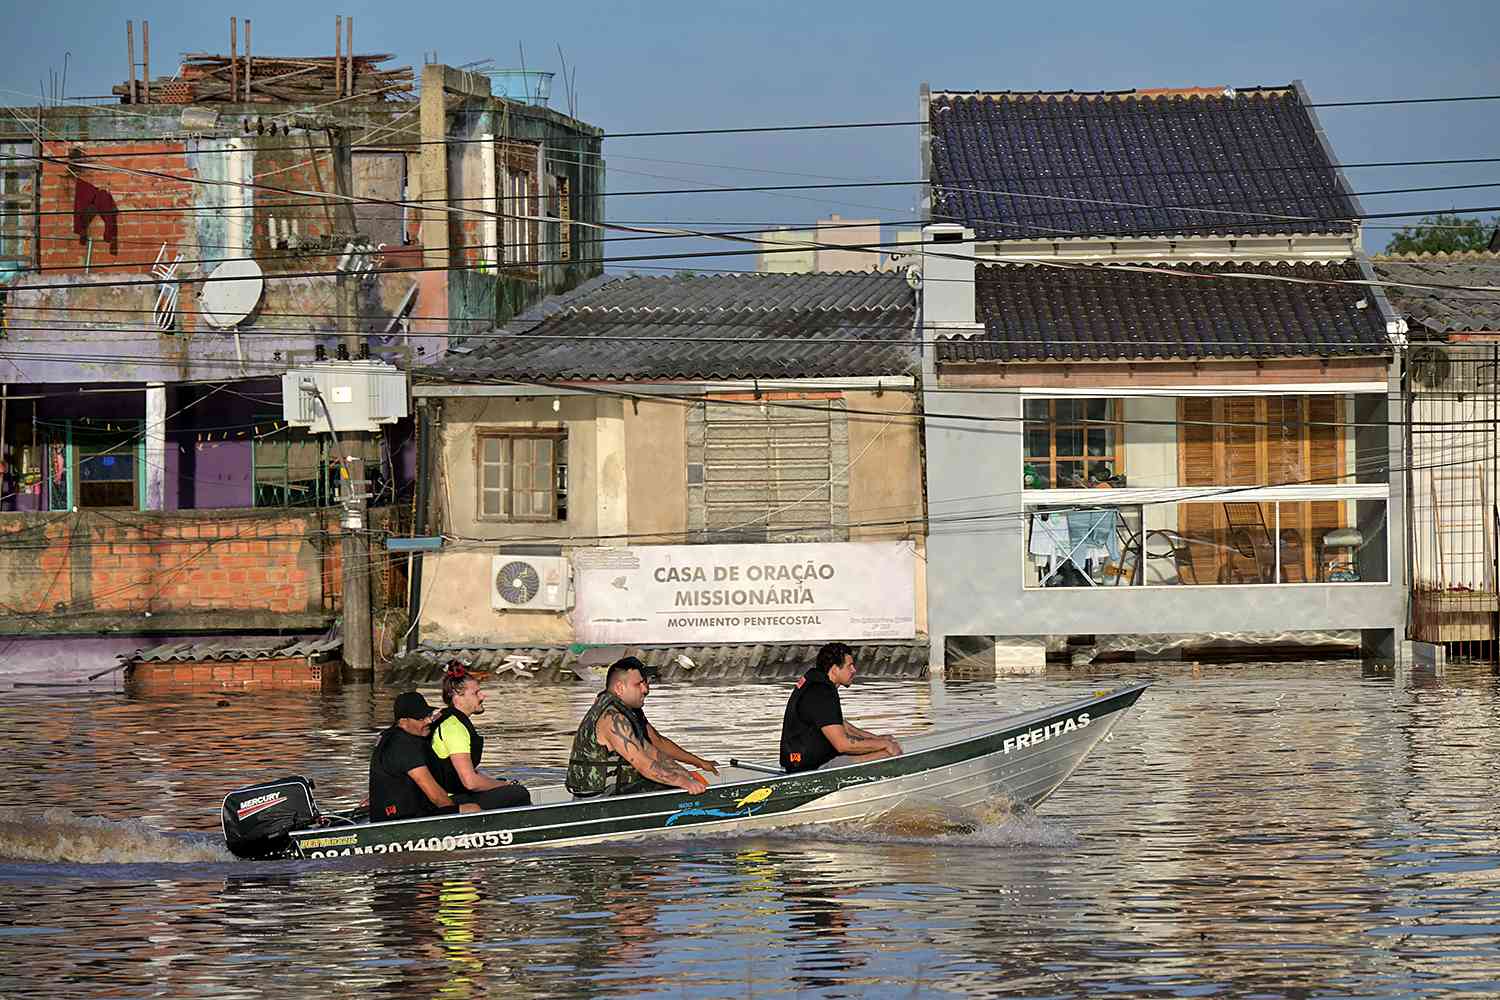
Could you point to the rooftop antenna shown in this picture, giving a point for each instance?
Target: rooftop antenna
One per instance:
(567, 82)
(525, 83)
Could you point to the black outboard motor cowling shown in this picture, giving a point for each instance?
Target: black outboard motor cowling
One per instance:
(257, 819)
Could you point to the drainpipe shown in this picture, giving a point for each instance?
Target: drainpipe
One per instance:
(424, 495)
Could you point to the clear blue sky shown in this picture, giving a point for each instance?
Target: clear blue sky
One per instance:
(664, 65)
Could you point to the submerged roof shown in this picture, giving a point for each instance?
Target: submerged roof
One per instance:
(1449, 309)
(1196, 161)
(717, 326)
(1040, 313)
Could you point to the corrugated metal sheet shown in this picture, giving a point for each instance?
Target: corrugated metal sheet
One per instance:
(712, 663)
(234, 651)
(702, 327)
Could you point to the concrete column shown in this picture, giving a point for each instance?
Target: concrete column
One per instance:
(156, 446)
(434, 167)
(612, 483)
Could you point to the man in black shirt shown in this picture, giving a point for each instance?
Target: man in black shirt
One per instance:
(401, 786)
(814, 731)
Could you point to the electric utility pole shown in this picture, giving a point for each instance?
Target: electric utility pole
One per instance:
(354, 486)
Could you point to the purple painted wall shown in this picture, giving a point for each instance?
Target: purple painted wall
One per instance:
(209, 439)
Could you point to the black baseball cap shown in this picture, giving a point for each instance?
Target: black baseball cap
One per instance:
(411, 705)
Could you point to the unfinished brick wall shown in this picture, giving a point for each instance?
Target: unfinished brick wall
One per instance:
(256, 564)
(152, 210)
(119, 561)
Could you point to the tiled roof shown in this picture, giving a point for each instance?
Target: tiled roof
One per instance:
(722, 326)
(1446, 310)
(1039, 313)
(723, 662)
(1135, 163)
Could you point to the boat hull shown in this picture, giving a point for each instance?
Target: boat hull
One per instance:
(1018, 760)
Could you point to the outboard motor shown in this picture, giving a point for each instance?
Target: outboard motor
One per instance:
(258, 819)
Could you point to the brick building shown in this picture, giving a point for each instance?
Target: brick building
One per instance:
(161, 264)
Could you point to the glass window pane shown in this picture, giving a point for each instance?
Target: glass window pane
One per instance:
(1069, 410)
(1069, 474)
(522, 501)
(1038, 442)
(492, 446)
(491, 477)
(490, 503)
(1035, 409)
(1070, 442)
(1098, 409)
(1098, 441)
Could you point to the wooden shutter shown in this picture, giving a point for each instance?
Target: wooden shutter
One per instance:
(1260, 441)
(1199, 462)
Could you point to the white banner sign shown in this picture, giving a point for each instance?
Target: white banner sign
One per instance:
(654, 594)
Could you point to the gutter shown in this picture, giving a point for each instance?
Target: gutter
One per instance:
(579, 387)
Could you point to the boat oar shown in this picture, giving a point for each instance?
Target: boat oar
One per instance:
(735, 762)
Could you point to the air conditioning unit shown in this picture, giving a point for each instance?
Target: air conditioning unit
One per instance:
(531, 583)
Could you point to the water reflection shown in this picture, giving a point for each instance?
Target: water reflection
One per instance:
(1283, 831)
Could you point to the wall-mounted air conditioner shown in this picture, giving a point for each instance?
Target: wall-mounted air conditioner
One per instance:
(531, 583)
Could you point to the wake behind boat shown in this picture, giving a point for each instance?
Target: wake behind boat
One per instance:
(1021, 759)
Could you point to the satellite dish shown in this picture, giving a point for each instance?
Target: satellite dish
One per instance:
(231, 293)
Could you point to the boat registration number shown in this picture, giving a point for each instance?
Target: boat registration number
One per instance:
(458, 842)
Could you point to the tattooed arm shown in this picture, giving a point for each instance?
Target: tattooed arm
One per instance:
(675, 752)
(615, 732)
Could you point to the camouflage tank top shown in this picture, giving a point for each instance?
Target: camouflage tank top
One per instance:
(591, 764)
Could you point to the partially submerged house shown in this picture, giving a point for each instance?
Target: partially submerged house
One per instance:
(165, 260)
(1452, 405)
(716, 462)
(1153, 303)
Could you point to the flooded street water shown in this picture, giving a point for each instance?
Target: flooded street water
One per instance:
(1294, 830)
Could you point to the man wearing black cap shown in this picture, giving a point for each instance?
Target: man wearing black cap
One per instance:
(401, 786)
(613, 753)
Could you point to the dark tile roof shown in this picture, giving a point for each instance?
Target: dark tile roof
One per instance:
(722, 326)
(719, 662)
(1445, 310)
(1040, 313)
(1194, 162)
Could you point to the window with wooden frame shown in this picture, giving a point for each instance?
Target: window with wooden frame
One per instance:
(18, 205)
(522, 475)
(520, 202)
(1261, 441)
(1073, 443)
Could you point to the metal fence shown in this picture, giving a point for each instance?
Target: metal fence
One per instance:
(1453, 412)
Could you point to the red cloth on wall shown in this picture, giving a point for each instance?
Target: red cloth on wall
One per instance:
(89, 201)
